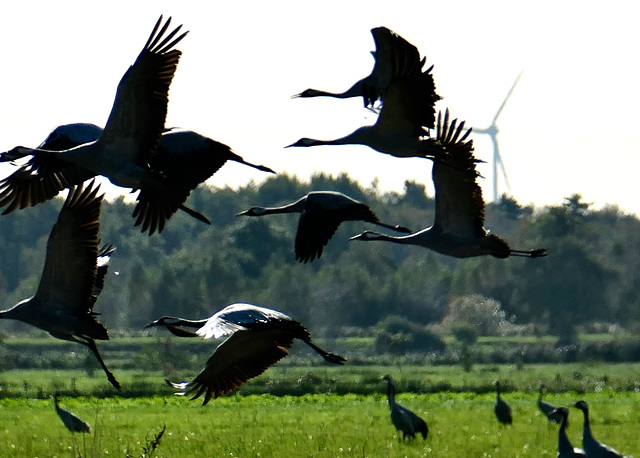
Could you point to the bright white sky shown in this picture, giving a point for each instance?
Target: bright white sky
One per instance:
(577, 100)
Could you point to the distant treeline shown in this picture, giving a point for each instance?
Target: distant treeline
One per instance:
(193, 270)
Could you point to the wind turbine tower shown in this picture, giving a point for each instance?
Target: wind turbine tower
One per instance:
(492, 131)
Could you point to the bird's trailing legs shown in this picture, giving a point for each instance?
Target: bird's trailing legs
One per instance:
(92, 346)
(540, 252)
(330, 357)
(197, 215)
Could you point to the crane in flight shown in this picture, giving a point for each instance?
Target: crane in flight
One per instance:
(458, 228)
(124, 150)
(394, 56)
(185, 158)
(72, 277)
(257, 338)
(402, 127)
(321, 212)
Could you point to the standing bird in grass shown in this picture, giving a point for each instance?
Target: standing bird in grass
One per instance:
(501, 408)
(321, 212)
(258, 338)
(565, 448)
(591, 446)
(550, 411)
(125, 149)
(394, 56)
(458, 228)
(185, 158)
(402, 418)
(73, 423)
(72, 277)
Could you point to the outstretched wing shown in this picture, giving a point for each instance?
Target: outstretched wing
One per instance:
(459, 203)
(240, 317)
(70, 268)
(315, 229)
(184, 159)
(409, 105)
(140, 106)
(395, 57)
(104, 256)
(244, 355)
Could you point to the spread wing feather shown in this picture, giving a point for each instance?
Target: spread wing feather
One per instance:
(459, 202)
(70, 268)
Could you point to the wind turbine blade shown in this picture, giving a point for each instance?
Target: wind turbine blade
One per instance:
(504, 171)
(495, 118)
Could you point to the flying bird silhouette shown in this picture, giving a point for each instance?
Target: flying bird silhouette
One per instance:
(258, 338)
(458, 228)
(321, 212)
(185, 158)
(394, 57)
(72, 278)
(124, 150)
(402, 127)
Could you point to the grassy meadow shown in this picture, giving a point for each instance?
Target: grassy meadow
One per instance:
(461, 420)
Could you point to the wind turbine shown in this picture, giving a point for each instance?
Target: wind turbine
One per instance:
(492, 131)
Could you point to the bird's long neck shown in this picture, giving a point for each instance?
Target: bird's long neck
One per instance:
(353, 91)
(357, 137)
(18, 312)
(563, 441)
(586, 429)
(422, 238)
(540, 396)
(295, 207)
(391, 393)
(55, 403)
(188, 323)
(498, 392)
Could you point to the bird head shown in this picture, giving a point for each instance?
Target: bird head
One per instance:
(582, 406)
(560, 411)
(386, 377)
(304, 141)
(307, 93)
(253, 211)
(14, 154)
(163, 321)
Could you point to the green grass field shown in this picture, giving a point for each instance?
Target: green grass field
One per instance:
(319, 425)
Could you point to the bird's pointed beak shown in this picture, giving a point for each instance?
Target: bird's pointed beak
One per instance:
(242, 213)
